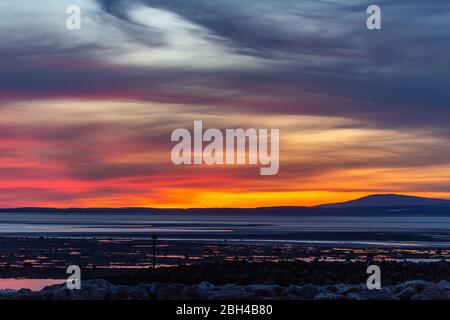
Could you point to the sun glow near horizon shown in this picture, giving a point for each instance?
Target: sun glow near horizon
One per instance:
(86, 115)
(93, 153)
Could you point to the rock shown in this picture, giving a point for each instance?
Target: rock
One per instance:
(90, 290)
(307, 292)
(24, 291)
(129, 293)
(406, 293)
(332, 289)
(417, 285)
(328, 296)
(205, 286)
(169, 291)
(199, 291)
(431, 292)
(381, 294)
(344, 289)
(261, 290)
(7, 294)
(103, 290)
(231, 292)
(419, 296)
(444, 285)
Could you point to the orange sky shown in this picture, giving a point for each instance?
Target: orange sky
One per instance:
(86, 115)
(114, 154)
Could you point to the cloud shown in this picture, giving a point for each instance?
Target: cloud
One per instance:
(90, 109)
(82, 149)
(307, 57)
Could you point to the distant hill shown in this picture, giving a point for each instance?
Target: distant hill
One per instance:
(387, 200)
(378, 204)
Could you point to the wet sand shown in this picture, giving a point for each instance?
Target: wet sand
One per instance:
(43, 257)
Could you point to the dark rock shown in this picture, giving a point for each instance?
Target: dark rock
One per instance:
(406, 293)
(329, 296)
(307, 292)
(103, 290)
(381, 294)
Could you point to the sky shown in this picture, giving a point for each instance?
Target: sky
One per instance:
(86, 115)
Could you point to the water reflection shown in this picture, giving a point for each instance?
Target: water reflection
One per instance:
(32, 284)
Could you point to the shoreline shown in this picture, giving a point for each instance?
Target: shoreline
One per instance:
(49, 257)
(256, 281)
(103, 290)
(122, 269)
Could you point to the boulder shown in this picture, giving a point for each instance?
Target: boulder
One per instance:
(406, 293)
(329, 296)
(103, 290)
(307, 292)
(430, 292)
(381, 294)
(264, 291)
(231, 292)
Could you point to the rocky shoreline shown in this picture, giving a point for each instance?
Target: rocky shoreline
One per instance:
(43, 256)
(100, 289)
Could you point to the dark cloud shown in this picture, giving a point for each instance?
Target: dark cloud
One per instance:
(310, 58)
(326, 61)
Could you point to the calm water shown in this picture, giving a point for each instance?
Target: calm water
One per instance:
(214, 226)
(32, 284)
(328, 230)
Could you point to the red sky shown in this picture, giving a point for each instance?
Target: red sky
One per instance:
(86, 115)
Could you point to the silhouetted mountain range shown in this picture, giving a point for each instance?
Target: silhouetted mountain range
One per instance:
(373, 204)
(387, 200)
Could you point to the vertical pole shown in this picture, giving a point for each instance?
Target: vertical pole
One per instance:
(154, 238)
(154, 253)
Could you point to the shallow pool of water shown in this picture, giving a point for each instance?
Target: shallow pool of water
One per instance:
(32, 284)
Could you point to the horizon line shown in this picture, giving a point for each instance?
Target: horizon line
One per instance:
(216, 208)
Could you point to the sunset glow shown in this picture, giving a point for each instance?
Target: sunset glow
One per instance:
(86, 122)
